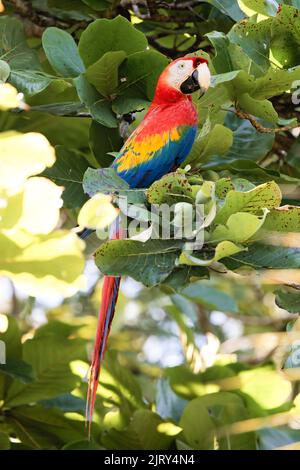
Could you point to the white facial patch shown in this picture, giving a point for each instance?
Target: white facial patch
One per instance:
(204, 76)
(179, 72)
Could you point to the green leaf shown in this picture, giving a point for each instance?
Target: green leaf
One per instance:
(40, 428)
(13, 46)
(222, 250)
(4, 71)
(68, 171)
(171, 188)
(139, 75)
(141, 71)
(119, 385)
(101, 112)
(266, 386)
(67, 108)
(228, 7)
(189, 385)
(264, 196)
(283, 219)
(263, 109)
(149, 263)
(49, 358)
(198, 427)
(239, 227)
(222, 60)
(103, 74)
(168, 404)
(135, 437)
(98, 5)
(103, 141)
(209, 297)
(104, 180)
(18, 369)
(227, 408)
(285, 42)
(4, 441)
(218, 142)
(29, 82)
(110, 35)
(275, 82)
(182, 275)
(254, 39)
(263, 7)
(290, 301)
(260, 256)
(61, 51)
(247, 142)
(87, 93)
(65, 402)
(82, 444)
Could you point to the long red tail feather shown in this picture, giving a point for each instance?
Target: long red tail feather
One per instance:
(110, 291)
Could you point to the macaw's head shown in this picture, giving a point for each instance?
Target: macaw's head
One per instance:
(182, 77)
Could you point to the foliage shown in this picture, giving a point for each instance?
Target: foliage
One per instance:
(70, 93)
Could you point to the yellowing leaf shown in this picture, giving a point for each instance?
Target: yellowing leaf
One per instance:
(43, 264)
(8, 97)
(239, 227)
(21, 156)
(267, 387)
(38, 194)
(98, 212)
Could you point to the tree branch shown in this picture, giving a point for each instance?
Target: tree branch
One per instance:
(259, 127)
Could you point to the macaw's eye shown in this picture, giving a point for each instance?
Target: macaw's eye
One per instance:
(181, 66)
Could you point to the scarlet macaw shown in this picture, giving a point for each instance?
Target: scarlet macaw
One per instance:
(158, 145)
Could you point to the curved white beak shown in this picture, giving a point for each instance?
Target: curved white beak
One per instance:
(204, 77)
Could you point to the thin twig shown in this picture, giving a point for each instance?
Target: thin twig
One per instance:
(259, 127)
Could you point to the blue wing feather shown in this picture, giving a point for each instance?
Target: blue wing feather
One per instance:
(164, 160)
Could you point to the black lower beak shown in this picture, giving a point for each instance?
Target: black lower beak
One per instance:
(190, 84)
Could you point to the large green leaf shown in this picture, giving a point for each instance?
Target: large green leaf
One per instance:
(283, 219)
(61, 51)
(149, 263)
(226, 408)
(275, 82)
(49, 358)
(29, 82)
(254, 39)
(264, 196)
(4, 441)
(103, 74)
(263, 7)
(285, 31)
(104, 180)
(110, 35)
(13, 46)
(239, 227)
(247, 142)
(290, 301)
(17, 369)
(68, 171)
(260, 256)
(103, 141)
(228, 7)
(119, 385)
(198, 427)
(40, 428)
(135, 436)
